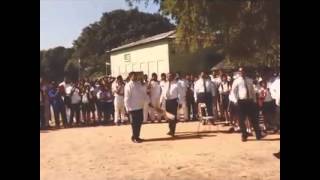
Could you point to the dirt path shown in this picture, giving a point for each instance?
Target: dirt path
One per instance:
(106, 153)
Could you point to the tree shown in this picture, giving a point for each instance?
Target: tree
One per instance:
(115, 28)
(247, 31)
(52, 62)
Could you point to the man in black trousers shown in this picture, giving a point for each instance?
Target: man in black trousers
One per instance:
(243, 89)
(172, 95)
(134, 99)
(204, 92)
(191, 104)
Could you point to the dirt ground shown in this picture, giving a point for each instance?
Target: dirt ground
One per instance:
(107, 153)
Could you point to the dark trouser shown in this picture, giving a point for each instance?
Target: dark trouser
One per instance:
(67, 101)
(42, 118)
(268, 110)
(92, 108)
(207, 99)
(277, 116)
(60, 109)
(191, 104)
(234, 112)
(107, 110)
(99, 109)
(172, 107)
(136, 118)
(247, 108)
(86, 112)
(75, 109)
(224, 102)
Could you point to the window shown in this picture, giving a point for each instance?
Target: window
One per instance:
(127, 58)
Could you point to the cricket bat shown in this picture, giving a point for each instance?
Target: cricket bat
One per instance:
(165, 113)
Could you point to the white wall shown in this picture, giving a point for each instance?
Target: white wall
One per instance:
(149, 58)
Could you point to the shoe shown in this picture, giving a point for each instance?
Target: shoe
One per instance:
(250, 134)
(139, 139)
(261, 136)
(244, 139)
(231, 130)
(237, 130)
(170, 134)
(277, 155)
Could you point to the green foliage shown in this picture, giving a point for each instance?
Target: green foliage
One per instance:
(52, 62)
(247, 31)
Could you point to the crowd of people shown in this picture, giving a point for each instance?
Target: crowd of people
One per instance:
(238, 99)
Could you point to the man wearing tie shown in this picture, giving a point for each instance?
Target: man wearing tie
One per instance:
(134, 100)
(243, 90)
(204, 92)
(172, 96)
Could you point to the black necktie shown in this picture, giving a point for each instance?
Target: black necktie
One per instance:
(204, 85)
(168, 92)
(247, 89)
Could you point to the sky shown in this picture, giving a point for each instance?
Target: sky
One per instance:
(61, 21)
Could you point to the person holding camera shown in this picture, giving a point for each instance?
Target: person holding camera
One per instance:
(55, 95)
(75, 104)
(106, 99)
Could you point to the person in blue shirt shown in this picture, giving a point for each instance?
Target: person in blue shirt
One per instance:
(55, 95)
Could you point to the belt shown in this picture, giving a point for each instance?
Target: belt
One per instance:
(171, 99)
(245, 100)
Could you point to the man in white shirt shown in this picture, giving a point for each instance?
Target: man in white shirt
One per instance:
(275, 94)
(154, 93)
(216, 80)
(245, 98)
(67, 86)
(204, 92)
(191, 104)
(118, 92)
(134, 100)
(172, 96)
(184, 87)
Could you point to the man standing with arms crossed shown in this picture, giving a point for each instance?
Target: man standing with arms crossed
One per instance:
(118, 92)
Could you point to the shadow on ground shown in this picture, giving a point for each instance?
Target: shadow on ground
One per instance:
(179, 137)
